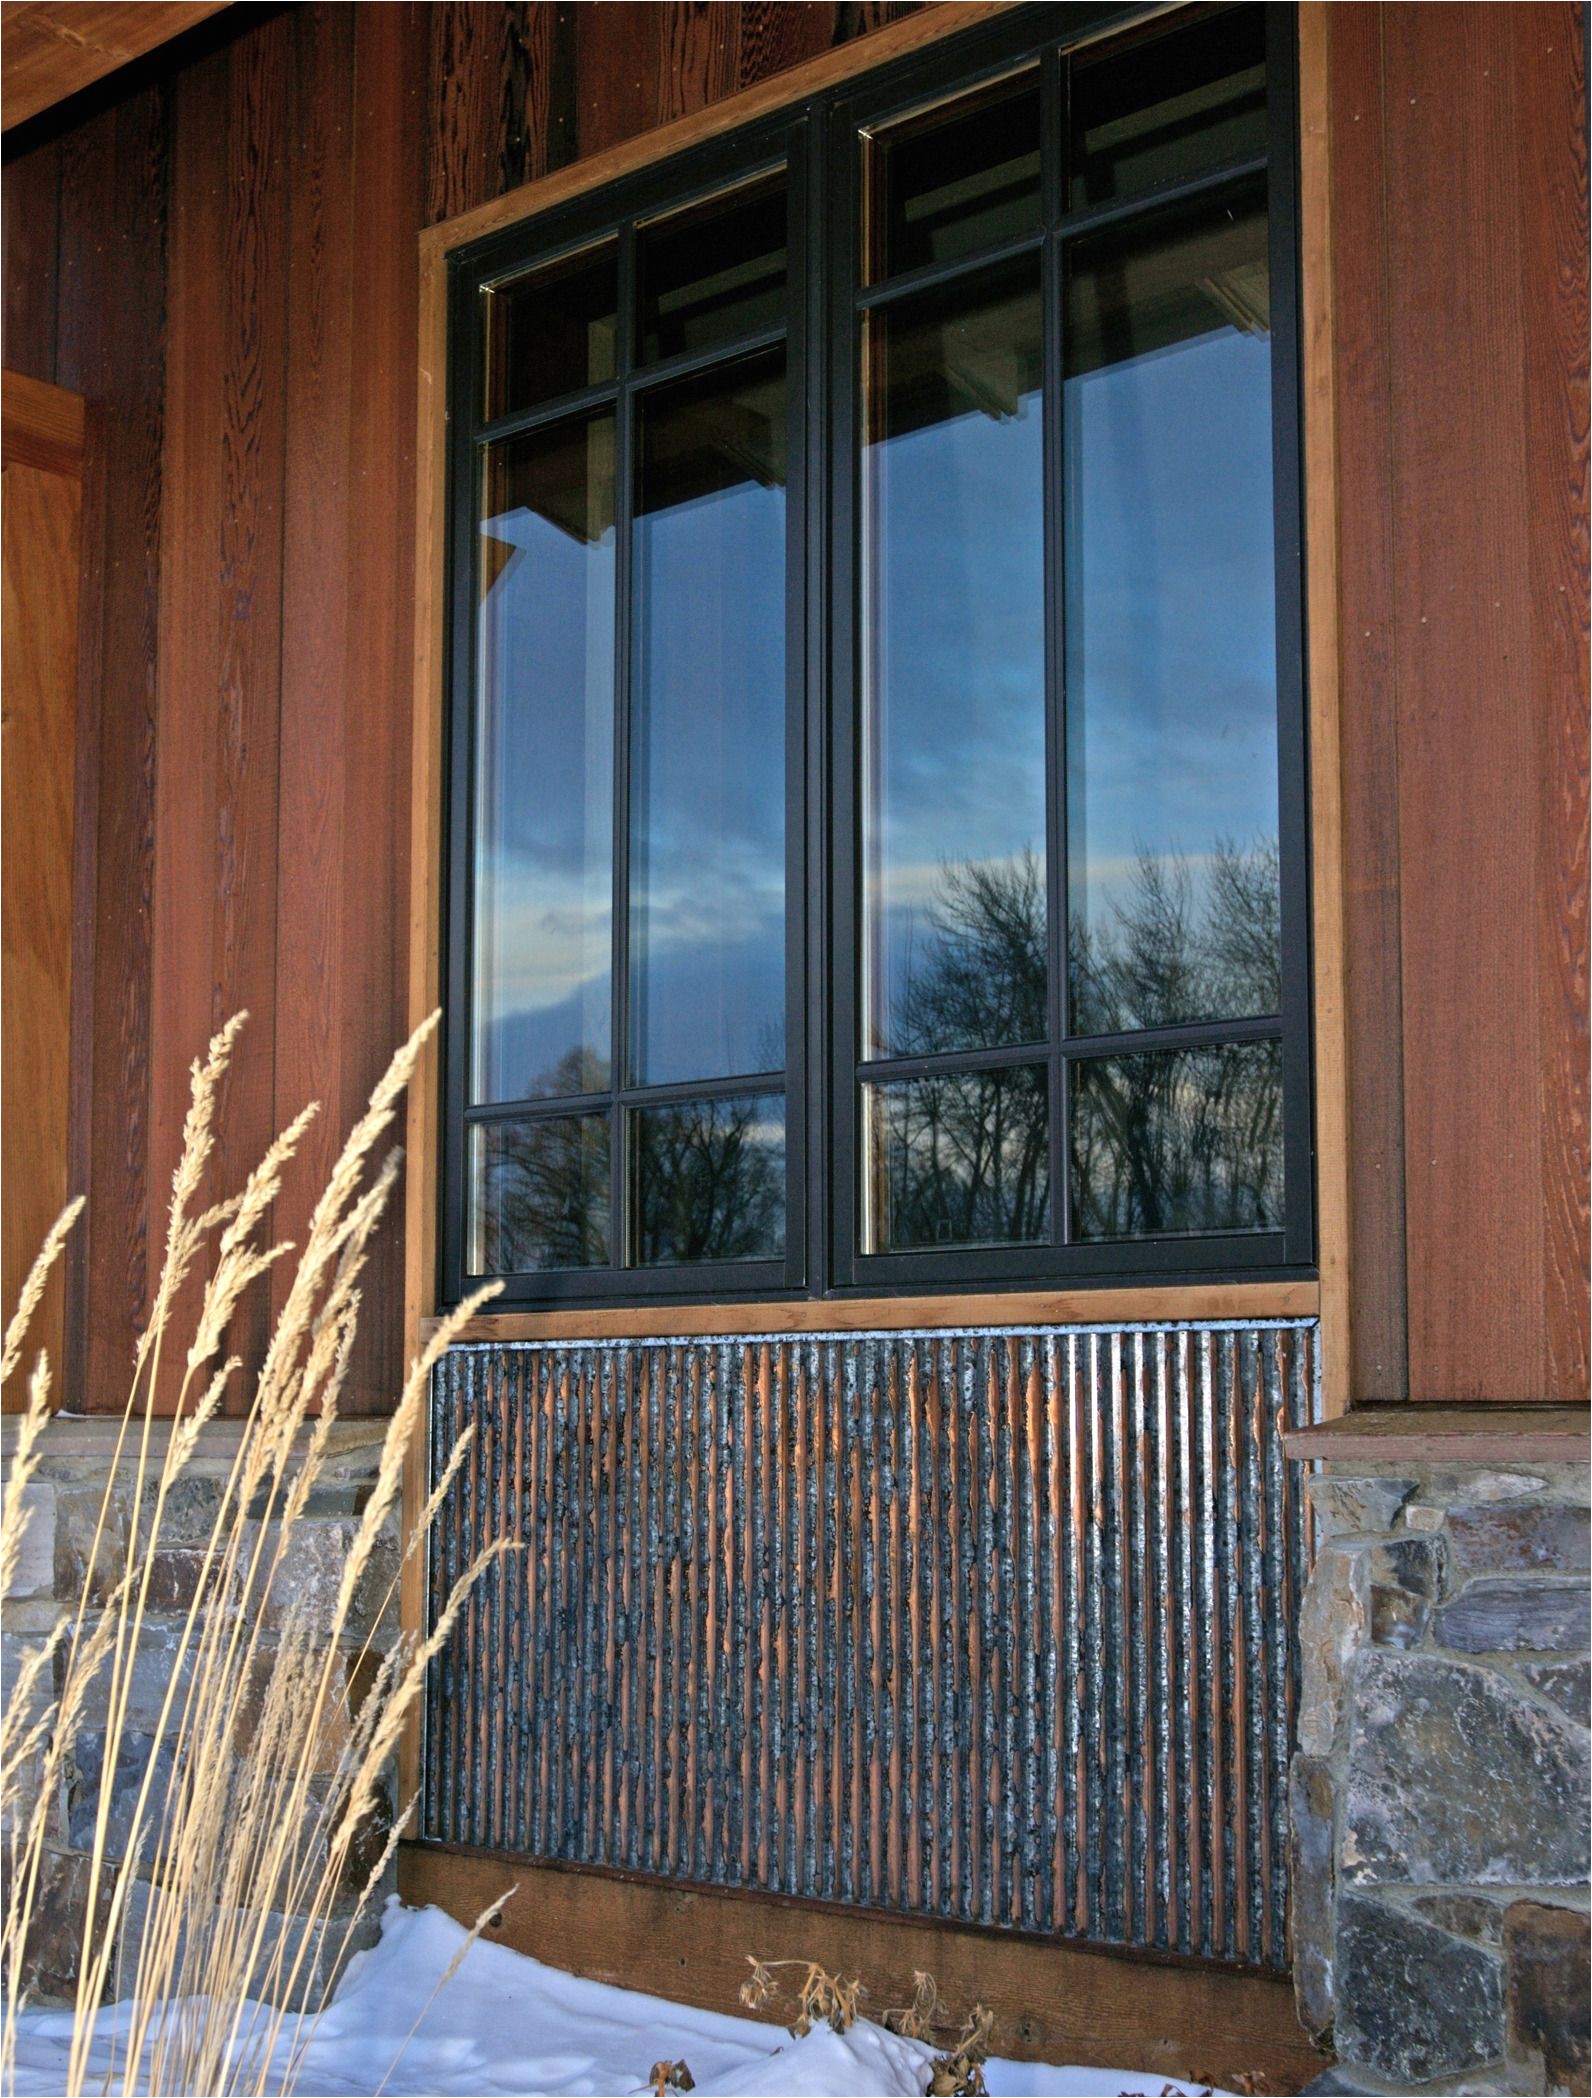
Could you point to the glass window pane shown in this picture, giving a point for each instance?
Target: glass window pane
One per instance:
(552, 332)
(544, 765)
(953, 718)
(962, 1160)
(1170, 625)
(539, 1194)
(707, 851)
(708, 1179)
(1149, 108)
(1176, 1141)
(958, 181)
(713, 274)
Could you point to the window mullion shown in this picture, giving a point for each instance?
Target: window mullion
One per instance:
(842, 206)
(620, 1248)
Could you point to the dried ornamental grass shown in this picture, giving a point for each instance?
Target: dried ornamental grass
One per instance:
(263, 1791)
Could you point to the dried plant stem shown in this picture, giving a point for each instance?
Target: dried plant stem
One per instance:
(220, 1898)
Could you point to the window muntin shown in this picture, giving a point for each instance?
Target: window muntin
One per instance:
(1064, 1112)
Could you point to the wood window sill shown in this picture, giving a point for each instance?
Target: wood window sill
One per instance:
(1476, 1434)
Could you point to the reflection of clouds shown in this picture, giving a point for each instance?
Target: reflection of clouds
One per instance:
(1171, 646)
(920, 884)
(544, 934)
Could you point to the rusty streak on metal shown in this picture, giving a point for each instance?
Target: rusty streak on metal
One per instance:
(992, 1626)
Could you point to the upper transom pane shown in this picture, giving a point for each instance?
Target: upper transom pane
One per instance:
(553, 331)
(957, 181)
(713, 274)
(1166, 104)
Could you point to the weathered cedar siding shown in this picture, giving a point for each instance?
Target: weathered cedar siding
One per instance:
(219, 251)
(1460, 295)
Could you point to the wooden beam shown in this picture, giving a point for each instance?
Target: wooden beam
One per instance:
(1481, 1434)
(49, 49)
(1319, 391)
(43, 448)
(42, 425)
(1057, 1307)
(1054, 2000)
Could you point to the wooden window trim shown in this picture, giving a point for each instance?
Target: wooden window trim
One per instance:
(1194, 1300)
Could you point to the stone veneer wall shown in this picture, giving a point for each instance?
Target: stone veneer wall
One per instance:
(65, 1497)
(1440, 1788)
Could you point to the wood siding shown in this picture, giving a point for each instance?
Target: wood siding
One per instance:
(221, 255)
(41, 444)
(1459, 205)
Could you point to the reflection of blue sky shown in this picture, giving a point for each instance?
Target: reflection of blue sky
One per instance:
(708, 787)
(957, 701)
(1171, 648)
(545, 809)
(708, 871)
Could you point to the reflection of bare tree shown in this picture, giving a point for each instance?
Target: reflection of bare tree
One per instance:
(544, 1198)
(707, 1181)
(967, 1156)
(1180, 1140)
(1182, 949)
(982, 981)
(1161, 1141)
(710, 1180)
(1185, 1139)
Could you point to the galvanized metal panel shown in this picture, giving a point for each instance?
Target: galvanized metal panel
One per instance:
(994, 1626)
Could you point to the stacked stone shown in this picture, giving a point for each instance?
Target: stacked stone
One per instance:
(1440, 1790)
(64, 1499)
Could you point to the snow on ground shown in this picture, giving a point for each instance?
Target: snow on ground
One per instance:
(504, 2026)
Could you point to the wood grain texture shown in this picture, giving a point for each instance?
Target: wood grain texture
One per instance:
(1334, 1221)
(623, 151)
(424, 942)
(1073, 1307)
(501, 96)
(42, 527)
(1368, 703)
(1475, 526)
(54, 48)
(30, 206)
(1053, 2001)
(1484, 1434)
(42, 425)
(221, 606)
(110, 348)
(354, 180)
(1550, 59)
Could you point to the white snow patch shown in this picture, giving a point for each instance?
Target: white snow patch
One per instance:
(505, 2026)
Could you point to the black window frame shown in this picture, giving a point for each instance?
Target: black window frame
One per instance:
(819, 142)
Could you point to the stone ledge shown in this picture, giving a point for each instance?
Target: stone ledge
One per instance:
(1479, 1434)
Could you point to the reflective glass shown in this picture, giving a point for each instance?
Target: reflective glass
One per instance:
(1177, 1141)
(1170, 622)
(707, 850)
(539, 1194)
(708, 1179)
(713, 274)
(544, 765)
(1150, 108)
(953, 718)
(552, 332)
(957, 181)
(962, 1160)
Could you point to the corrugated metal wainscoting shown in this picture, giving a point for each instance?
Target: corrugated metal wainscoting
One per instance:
(996, 1626)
